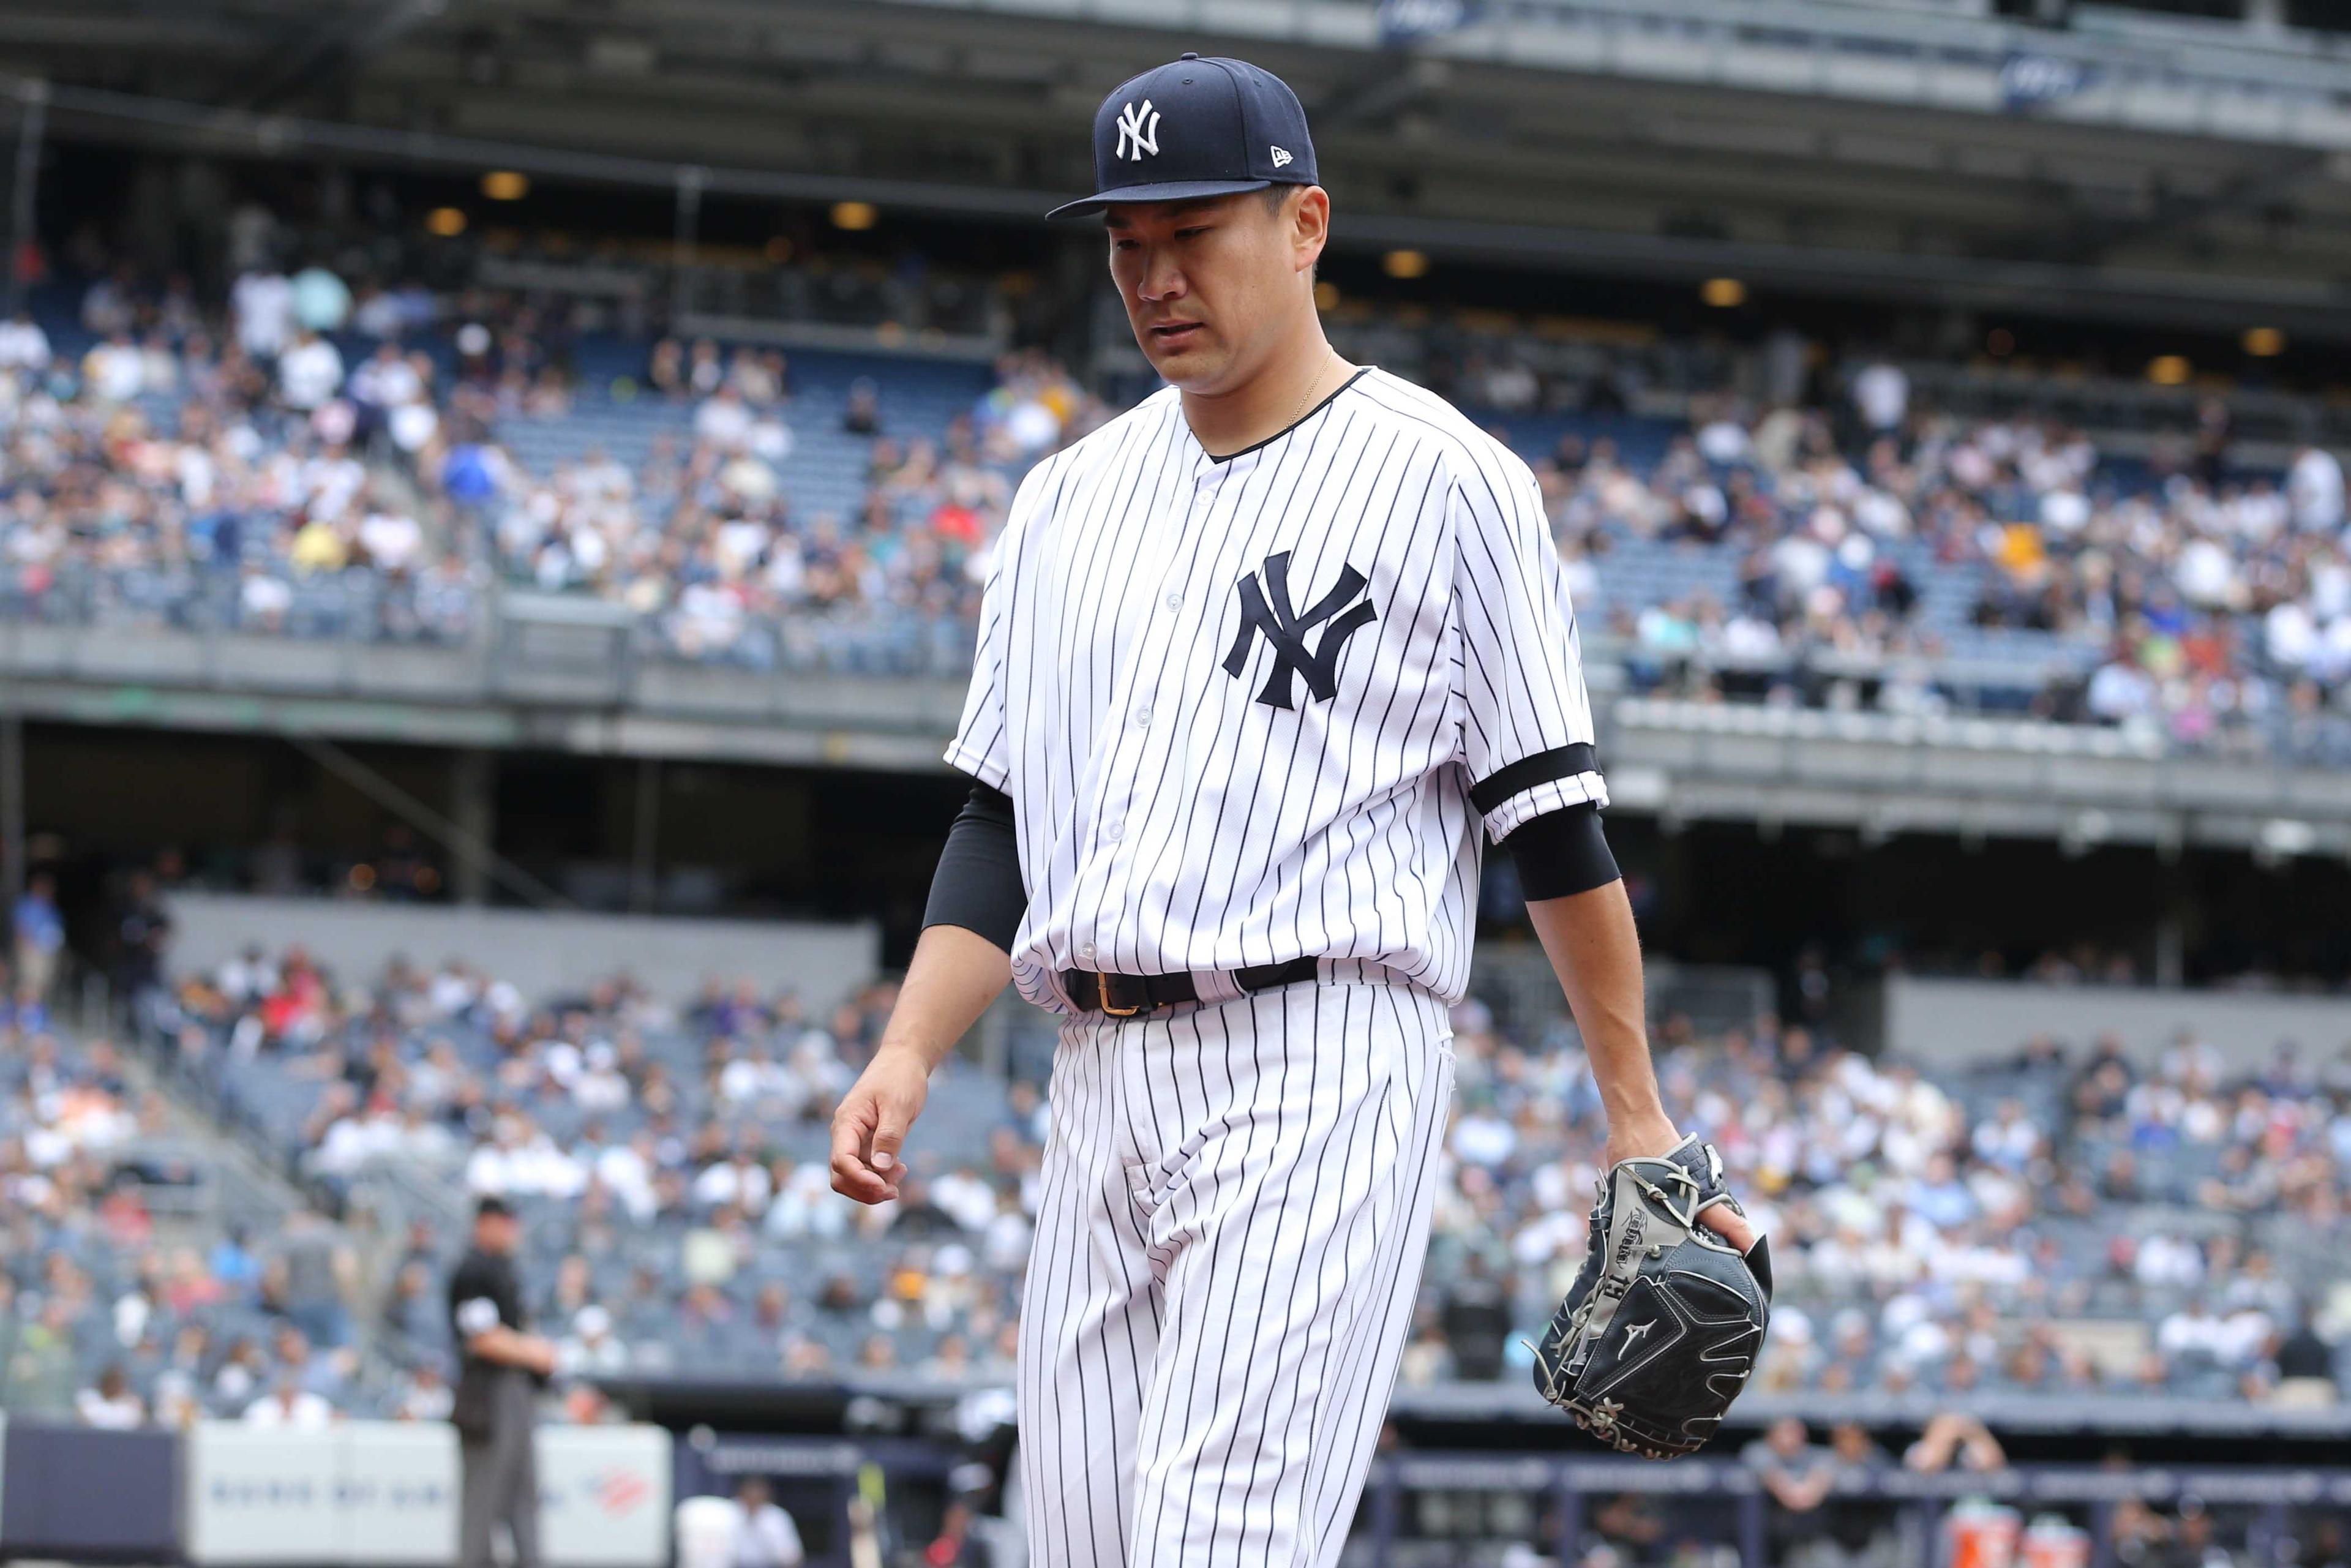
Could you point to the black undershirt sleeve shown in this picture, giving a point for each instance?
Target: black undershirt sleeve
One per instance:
(1562, 853)
(978, 885)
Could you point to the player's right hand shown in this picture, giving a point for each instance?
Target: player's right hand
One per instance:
(869, 1128)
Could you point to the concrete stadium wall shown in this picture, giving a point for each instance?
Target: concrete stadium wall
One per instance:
(540, 953)
(1957, 1023)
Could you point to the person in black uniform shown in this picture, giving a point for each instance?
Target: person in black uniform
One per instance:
(501, 1369)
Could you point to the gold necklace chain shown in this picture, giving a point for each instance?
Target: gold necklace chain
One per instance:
(1299, 412)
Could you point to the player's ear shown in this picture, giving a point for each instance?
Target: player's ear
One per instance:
(1310, 220)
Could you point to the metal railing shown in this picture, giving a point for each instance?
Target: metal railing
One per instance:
(355, 605)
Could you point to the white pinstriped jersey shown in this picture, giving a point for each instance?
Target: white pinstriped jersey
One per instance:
(1253, 709)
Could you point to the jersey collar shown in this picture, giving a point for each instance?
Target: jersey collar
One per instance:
(1361, 372)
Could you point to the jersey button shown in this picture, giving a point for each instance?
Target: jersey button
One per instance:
(1174, 602)
(1114, 831)
(1143, 719)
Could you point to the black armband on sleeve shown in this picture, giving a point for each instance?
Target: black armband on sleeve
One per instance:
(978, 885)
(1562, 853)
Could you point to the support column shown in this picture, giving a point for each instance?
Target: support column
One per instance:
(11, 810)
(1751, 1530)
(1570, 1518)
(473, 811)
(31, 123)
(684, 236)
(644, 839)
(2170, 949)
(1387, 1512)
(2173, 909)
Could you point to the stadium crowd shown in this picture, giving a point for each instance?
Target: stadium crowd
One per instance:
(126, 1312)
(248, 472)
(2213, 608)
(322, 461)
(2056, 1225)
(705, 540)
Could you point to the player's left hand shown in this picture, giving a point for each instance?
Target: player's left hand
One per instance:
(1656, 1136)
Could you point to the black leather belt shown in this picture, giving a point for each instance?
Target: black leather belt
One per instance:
(1128, 995)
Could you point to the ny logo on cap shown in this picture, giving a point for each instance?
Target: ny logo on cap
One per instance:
(1138, 131)
(1269, 609)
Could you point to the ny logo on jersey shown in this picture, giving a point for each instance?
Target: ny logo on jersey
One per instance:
(1268, 609)
(1138, 131)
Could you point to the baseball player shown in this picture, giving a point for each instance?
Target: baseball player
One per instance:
(1260, 662)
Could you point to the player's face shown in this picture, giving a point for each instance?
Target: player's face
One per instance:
(1208, 285)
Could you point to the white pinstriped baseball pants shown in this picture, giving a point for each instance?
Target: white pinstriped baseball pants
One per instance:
(1234, 1212)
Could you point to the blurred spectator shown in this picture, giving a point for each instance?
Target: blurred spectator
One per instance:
(1631, 1528)
(24, 346)
(1881, 395)
(723, 421)
(426, 1398)
(1810, 1525)
(1798, 1478)
(322, 301)
(115, 371)
(111, 1403)
(765, 1535)
(143, 934)
(862, 413)
(40, 936)
(290, 1405)
(2305, 1367)
(2313, 489)
(310, 371)
(2192, 1544)
(1955, 1440)
(1477, 1319)
(1860, 1532)
(317, 1270)
(262, 303)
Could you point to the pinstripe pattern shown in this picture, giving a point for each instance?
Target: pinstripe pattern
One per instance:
(1227, 1249)
(1168, 819)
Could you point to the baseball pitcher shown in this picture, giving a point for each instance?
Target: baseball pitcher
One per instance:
(1260, 663)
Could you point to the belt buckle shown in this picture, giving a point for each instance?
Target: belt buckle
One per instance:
(1101, 995)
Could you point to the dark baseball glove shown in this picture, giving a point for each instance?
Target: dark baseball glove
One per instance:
(1665, 1319)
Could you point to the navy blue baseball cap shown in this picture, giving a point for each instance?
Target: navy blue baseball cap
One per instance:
(1198, 127)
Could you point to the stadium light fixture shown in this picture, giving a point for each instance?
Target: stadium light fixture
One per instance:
(854, 216)
(1723, 293)
(506, 185)
(447, 222)
(2264, 342)
(1405, 264)
(2169, 369)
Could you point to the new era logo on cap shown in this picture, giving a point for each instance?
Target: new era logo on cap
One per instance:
(1192, 128)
